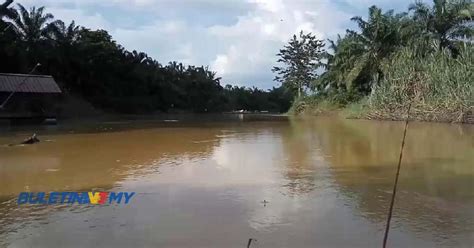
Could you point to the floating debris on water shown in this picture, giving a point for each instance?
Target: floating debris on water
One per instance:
(31, 140)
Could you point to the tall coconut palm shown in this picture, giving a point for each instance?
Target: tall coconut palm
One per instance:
(446, 21)
(32, 26)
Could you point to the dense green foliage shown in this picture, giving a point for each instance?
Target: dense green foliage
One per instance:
(90, 64)
(440, 87)
(301, 59)
(422, 56)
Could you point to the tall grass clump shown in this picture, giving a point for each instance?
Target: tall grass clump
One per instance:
(440, 87)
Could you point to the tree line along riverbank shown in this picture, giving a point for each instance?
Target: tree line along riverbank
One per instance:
(92, 68)
(423, 57)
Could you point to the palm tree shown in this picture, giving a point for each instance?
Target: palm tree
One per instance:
(4, 10)
(64, 40)
(138, 58)
(65, 35)
(360, 54)
(32, 26)
(345, 52)
(446, 21)
(7, 12)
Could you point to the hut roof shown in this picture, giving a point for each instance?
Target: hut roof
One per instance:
(28, 83)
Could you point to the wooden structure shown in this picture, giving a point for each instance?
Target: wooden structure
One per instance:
(28, 96)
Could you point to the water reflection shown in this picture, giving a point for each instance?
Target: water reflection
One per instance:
(85, 162)
(436, 182)
(327, 182)
(82, 161)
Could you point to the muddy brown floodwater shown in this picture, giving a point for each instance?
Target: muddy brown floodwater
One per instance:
(326, 182)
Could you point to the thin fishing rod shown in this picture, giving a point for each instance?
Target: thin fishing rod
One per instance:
(18, 86)
(395, 184)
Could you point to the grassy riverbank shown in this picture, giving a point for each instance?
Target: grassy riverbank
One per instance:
(439, 87)
(423, 57)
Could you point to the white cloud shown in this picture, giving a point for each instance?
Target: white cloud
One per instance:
(162, 40)
(220, 63)
(94, 21)
(254, 40)
(238, 39)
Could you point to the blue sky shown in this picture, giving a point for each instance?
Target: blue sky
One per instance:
(236, 38)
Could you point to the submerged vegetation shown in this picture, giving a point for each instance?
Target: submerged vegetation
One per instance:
(424, 57)
(90, 64)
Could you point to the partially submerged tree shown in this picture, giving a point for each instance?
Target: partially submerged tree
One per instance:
(301, 58)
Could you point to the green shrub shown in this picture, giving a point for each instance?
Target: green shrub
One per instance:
(321, 103)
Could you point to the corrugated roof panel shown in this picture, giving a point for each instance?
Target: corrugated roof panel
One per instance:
(28, 83)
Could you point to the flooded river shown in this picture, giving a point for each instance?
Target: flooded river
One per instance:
(321, 182)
